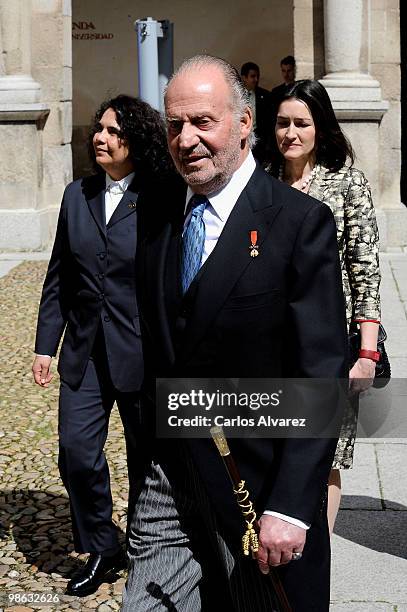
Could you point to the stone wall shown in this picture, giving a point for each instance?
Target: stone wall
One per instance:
(385, 66)
(37, 61)
(52, 68)
(35, 119)
(368, 104)
(105, 45)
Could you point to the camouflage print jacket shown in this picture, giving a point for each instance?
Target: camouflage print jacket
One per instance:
(348, 195)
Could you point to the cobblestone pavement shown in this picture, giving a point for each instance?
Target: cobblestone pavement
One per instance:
(370, 542)
(36, 552)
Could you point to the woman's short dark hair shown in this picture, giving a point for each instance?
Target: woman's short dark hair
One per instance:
(332, 148)
(143, 129)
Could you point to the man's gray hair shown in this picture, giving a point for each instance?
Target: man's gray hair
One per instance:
(239, 94)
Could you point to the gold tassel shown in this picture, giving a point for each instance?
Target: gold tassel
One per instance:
(250, 540)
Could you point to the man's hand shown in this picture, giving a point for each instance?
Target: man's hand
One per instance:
(41, 370)
(361, 375)
(278, 540)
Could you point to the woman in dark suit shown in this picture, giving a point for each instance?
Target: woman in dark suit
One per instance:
(312, 154)
(90, 294)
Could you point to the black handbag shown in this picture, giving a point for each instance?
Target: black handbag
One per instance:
(383, 370)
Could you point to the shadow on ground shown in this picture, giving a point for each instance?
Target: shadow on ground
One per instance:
(383, 530)
(40, 525)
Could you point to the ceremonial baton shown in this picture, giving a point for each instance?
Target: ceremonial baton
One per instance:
(250, 539)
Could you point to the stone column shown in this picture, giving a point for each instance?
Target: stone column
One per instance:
(22, 119)
(346, 56)
(356, 96)
(16, 82)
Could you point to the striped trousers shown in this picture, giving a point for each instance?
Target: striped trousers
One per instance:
(178, 559)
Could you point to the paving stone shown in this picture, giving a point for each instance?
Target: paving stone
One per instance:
(360, 485)
(6, 266)
(399, 367)
(383, 412)
(369, 556)
(393, 475)
(33, 502)
(396, 342)
(393, 312)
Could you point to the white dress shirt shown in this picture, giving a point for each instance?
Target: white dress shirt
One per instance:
(215, 215)
(221, 204)
(114, 193)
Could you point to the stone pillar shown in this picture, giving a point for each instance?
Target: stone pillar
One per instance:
(346, 55)
(356, 96)
(22, 119)
(16, 82)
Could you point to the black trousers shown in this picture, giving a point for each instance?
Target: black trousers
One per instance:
(83, 426)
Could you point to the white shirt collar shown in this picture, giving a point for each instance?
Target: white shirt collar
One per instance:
(223, 201)
(122, 184)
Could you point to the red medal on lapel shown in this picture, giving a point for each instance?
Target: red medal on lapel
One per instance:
(254, 248)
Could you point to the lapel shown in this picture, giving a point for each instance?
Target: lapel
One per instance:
(126, 206)
(254, 210)
(94, 192)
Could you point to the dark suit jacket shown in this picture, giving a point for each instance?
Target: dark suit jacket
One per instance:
(276, 95)
(280, 314)
(91, 281)
(262, 112)
(263, 123)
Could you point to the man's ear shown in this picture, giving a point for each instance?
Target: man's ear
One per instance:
(246, 123)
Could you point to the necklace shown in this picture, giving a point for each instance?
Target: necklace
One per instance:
(307, 179)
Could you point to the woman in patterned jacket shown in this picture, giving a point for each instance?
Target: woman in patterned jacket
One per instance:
(312, 154)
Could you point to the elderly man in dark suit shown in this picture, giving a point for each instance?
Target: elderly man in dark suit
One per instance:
(89, 291)
(210, 309)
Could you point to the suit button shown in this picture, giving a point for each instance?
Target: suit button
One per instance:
(101, 276)
(102, 255)
(101, 296)
(106, 318)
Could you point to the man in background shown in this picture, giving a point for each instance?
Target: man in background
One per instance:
(259, 102)
(288, 69)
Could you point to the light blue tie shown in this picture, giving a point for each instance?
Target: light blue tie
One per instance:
(193, 241)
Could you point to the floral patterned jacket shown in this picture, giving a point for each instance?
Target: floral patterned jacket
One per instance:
(348, 195)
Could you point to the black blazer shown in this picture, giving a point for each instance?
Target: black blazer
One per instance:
(263, 115)
(264, 131)
(91, 281)
(280, 314)
(275, 97)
